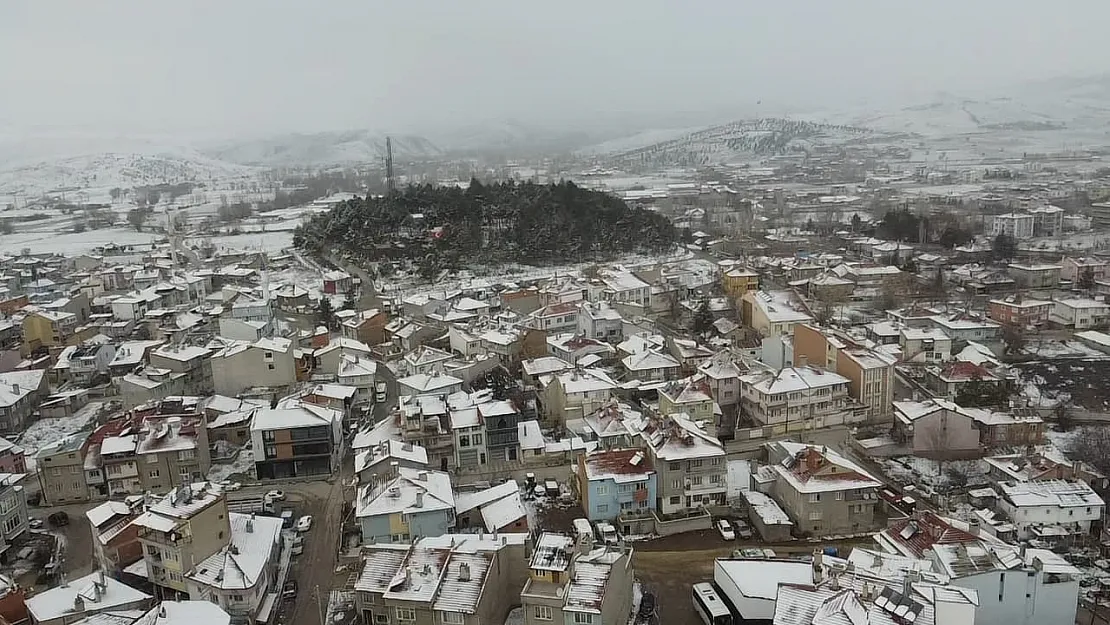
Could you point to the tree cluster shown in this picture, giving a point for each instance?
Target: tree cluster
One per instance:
(499, 222)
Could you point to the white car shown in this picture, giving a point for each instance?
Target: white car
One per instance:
(725, 530)
(275, 495)
(304, 523)
(230, 486)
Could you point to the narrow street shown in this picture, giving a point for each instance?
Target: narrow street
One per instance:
(316, 566)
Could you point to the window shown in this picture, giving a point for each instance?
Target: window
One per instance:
(75, 469)
(381, 618)
(603, 490)
(542, 613)
(718, 461)
(715, 478)
(815, 515)
(696, 480)
(154, 473)
(626, 505)
(152, 458)
(451, 618)
(839, 495)
(268, 435)
(464, 441)
(405, 614)
(814, 497)
(270, 367)
(604, 507)
(583, 618)
(694, 464)
(674, 466)
(676, 500)
(477, 439)
(56, 471)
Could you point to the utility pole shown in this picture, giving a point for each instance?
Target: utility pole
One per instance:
(390, 183)
(319, 606)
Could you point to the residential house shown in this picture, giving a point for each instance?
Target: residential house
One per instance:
(265, 363)
(871, 381)
(239, 576)
(575, 348)
(648, 366)
(773, 313)
(425, 359)
(571, 581)
(534, 368)
(21, 392)
(924, 345)
(465, 579)
(963, 327)
(1074, 269)
(797, 398)
(722, 376)
(61, 470)
(428, 384)
(495, 509)
(623, 287)
(12, 457)
(296, 439)
(738, 281)
(600, 321)
(93, 594)
(1048, 220)
(555, 318)
(360, 374)
(407, 504)
(822, 491)
(1050, 509)
(615, 481)
(328, 357)
(567, 396)
(1020, 312)
(13, 509)
(690, 354)
(690, 397)
(179, 532)
(690, 464)
(376, 462)
(469, 432)
(936, 429)
(1017, 426)
(1080, 313)
(82, 363)
(366, 326)
(115, 538)
(171, 451)
(946, 380)
(47, 328)
(191, 361)
(1035, 275)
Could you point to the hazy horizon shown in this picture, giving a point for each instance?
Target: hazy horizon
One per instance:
(210, 69)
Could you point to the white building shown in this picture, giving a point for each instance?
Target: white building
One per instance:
(600, 321)
(239, 576)
(808, 396)
(1080, 313)
(1016, 225)
(1050, 508)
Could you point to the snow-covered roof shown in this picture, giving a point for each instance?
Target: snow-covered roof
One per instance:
(586, 381)
(182, 353)
(818, 469)
(529, 435)
(58, 602)
(15, 385)
(467, 501)
(390, 450)
(413, 491)
(293, 415)
(424, 383)
(792, 380)
(649, 360)
(240, 564)
(679, 438)
(503, 512)
(181, 613)
(1058, 493)
(106, 512)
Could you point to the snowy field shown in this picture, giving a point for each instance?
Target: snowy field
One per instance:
(74, 243)
(48, 431)
(1062, 349)
(242, 465)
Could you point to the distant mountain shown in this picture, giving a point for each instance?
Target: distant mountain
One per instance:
(718, 144)
(323, 148)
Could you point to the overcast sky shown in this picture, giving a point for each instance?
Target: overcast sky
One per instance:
(242, 66)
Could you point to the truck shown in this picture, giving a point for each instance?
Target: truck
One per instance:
(379, 391)
(247, 505)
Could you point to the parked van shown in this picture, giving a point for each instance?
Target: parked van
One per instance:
(287, 519)
(297, 546)
(582, 528)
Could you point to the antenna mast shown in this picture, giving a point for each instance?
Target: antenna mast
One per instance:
(390, 183)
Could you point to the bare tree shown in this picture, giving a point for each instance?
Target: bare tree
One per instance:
(1089, 445)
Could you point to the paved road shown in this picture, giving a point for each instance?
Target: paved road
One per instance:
(316, 566)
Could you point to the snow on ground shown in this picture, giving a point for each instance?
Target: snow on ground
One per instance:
(739, 477)
(1062, 349)
(47, 431)
(1062, 440)
(1031, 390)
(923, 471)
(74, 243)
(269, 241)
(242, 465)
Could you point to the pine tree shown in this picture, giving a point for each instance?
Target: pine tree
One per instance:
(703, 318)
(325, 314)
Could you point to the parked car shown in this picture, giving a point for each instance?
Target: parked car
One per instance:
(743, 530)
(275, 495)
(230, 486)
(289, 590)
(58, 519)
(607, 533)
(725, 530)
(304, 523)
(35, 524)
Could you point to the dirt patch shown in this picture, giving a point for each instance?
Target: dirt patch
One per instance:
(1083, 380)
(670, 574)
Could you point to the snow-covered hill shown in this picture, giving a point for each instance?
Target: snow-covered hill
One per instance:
(323, 148)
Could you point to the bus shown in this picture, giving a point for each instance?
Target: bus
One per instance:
(709, 606)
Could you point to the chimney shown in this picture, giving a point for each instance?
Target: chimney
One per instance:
(250, 524)
(422, 476)
(15, 389)
(78, 604)
(818, 566)
(100, 576)
(911, 577)
(834, 579)
(98, 592)
(464, 572)
(161, 611)
(801, 361)
(419, 500)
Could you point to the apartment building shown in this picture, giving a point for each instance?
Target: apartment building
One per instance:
(738, 281)
(49, 328)
(1048, 220)
(773, 313)
(554, 318)
(870, 377)
(171, 451)
(405, 504)
(822, 491)
(424, 422)
(464, 579)
(21, 392)
(1080, 313)
(85, 599)
(192, 362)
(622, 287)
(721, 375)
(690, 464)
(366, 326)
(600, 321)
(1035, 275)
(615, 481)
(379, 460)
(924, 345)
(571, 395)
(181, 531)
(1016, 225)
(265, 363)
(690, 397)
(239, 575)
(296, 439)
(571, 581)
(81, 363)
(797, 397)
(61, 470)
(1021, 312)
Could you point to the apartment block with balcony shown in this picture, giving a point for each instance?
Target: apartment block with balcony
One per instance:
(296, 439)
(870, 376)
(424, 422)
(240, 574)
(823, 492)
(171, 451)
(1016, 225)
(615, 481)
(61, 470)
(193, 362)
(47, 328)
(798, 398)
(266, 363)
(1020, 312)
(690, 465)
(181, 531)
(570, 581)
(405, 504)
(115, 538)
(21, 392)
(121, 465)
